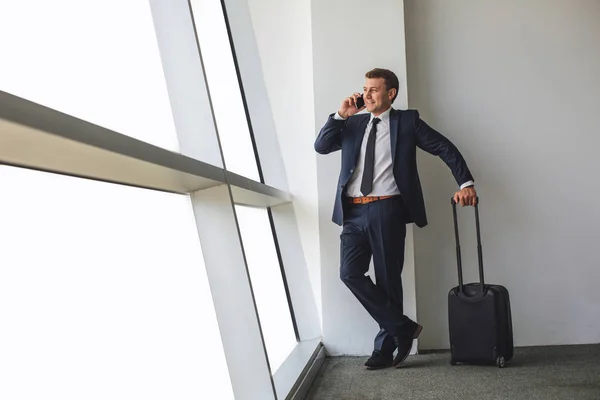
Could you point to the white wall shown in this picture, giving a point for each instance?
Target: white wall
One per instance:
(516, 86)
(343, 51)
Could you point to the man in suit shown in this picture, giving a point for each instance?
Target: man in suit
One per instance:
(378, 193)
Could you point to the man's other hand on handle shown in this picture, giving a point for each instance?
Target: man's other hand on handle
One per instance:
(466, 196)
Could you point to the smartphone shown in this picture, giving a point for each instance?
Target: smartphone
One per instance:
(360, 102)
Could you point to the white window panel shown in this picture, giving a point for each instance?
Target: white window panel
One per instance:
(103, 294)
(267, 284)
(224, 88)
(95, 60)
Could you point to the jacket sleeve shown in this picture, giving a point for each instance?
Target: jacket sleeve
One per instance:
(330, 136)
(433, 142)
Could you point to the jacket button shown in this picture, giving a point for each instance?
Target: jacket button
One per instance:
(351, 171)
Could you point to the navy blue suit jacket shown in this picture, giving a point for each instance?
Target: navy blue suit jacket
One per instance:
(407, 132)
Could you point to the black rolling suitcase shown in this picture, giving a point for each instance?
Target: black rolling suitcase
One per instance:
(479, 315)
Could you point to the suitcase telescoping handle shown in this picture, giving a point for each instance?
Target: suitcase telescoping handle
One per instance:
(479, 250)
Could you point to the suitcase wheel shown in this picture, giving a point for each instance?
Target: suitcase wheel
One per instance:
(452, 361)
(500, 362)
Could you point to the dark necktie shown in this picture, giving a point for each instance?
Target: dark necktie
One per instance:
(366, 185)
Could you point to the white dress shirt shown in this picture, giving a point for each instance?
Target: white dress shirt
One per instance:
(384, 183)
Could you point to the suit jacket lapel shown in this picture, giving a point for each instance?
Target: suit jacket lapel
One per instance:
(360, 134)
(394, 122)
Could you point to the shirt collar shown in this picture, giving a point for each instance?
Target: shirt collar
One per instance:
(384, 117)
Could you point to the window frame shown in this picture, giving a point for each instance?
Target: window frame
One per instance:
(98, 153)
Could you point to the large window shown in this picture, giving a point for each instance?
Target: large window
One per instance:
(95, 60)
(104, 287)
(103, 293)
(224, 87)
(267, 282)
(236, 142)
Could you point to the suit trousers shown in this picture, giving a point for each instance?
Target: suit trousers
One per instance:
(377, 230)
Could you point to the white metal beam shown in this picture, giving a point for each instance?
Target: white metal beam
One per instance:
(222, 247)
(186, 84)
(232, 295)
(37, 137)
(254, 90)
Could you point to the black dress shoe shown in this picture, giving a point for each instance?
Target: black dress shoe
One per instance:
(379, 360)
(404, 344)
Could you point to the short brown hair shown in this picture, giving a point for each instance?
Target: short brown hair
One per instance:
(390, 79)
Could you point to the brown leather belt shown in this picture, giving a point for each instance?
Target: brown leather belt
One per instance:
(367, 199)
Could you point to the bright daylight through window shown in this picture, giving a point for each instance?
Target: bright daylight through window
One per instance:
(225, 94)
(257, 235)
(103, 291)
(267, 283)
(97, 61)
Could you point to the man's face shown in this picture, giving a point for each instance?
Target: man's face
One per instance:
(377, 98)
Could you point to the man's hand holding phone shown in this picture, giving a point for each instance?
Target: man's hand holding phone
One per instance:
(351, 105)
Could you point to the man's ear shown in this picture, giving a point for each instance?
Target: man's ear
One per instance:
(392, 93)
